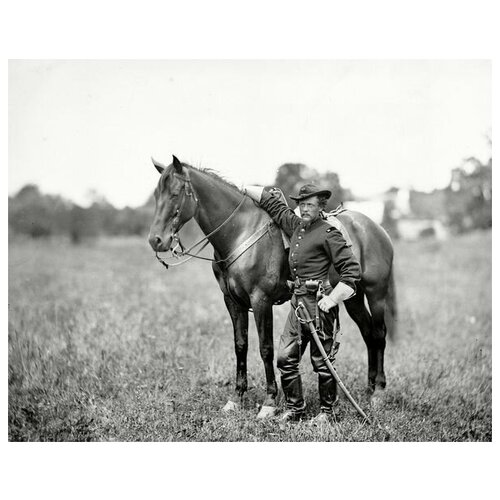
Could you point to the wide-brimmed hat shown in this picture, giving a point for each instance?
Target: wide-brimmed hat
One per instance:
(308, 190)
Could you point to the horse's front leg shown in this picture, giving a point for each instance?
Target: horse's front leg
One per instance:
(263, 313)
(239, 317)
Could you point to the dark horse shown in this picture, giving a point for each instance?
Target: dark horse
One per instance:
(251, 265)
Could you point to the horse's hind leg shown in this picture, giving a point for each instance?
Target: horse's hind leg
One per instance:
(239, 317)
(377, 341)
(263, 314)
(372, 329)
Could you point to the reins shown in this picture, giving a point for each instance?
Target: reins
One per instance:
(217, 229)
(205, 240)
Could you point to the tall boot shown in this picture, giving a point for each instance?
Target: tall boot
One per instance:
(292, 388)
(327, 392)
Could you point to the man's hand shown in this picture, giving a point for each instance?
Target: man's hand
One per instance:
(326, 303)
(255, 192)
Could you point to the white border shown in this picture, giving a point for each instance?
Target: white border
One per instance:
(224, 29)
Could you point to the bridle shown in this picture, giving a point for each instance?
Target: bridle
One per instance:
(187, 191)
(179, 250)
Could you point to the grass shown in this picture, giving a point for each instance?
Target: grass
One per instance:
(105, 345)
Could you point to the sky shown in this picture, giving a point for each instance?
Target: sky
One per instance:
(77, 126)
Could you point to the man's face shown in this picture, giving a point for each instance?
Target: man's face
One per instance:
(309, 208)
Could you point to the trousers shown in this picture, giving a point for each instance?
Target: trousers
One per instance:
(293, 343)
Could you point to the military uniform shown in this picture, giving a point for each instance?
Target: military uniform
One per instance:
(314, 247)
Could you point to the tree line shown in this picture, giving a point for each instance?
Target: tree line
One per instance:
(39, 215)
(463, 205)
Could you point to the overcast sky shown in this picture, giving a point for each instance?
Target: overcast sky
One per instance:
(81, 125)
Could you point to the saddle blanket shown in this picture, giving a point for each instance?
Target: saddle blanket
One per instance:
(331, 218)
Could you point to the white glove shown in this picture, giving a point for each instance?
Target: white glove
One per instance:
(340, 293)
(326, 303)
(255, 192)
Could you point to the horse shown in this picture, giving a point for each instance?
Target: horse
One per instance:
(251, 267)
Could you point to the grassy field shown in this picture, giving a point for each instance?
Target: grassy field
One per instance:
(105, 345)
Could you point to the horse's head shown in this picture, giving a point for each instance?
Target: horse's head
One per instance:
(175, 204)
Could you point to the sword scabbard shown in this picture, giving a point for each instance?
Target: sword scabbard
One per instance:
(314, 333)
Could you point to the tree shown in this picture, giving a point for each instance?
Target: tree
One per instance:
(37, 215)
(331, 181)
(291, 176)
(469, 196)
(83, 224)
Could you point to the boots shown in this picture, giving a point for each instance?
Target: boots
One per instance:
(292, 389)
(327, 391)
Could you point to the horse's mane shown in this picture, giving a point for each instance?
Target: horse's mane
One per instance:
(207, 171)
(215, 175)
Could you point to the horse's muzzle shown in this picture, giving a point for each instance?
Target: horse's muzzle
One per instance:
(158, 244)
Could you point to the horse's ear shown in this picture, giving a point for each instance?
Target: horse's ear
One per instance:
(158, 165)
(177, 164)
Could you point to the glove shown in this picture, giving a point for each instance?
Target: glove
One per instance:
(254, 192)
(340, 293)
(326, 303)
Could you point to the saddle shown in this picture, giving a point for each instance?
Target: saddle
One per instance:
(331, 218)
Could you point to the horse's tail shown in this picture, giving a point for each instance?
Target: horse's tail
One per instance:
(391, 309)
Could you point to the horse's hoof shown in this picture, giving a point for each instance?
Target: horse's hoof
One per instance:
(266, 412)
(377, 399)
(230, 406)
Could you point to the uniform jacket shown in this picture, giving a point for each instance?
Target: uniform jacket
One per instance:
(313, 246)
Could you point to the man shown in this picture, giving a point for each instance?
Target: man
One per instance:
(314, 246)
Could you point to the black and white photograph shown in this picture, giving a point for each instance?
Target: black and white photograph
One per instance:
(293, 252)
(306, 257)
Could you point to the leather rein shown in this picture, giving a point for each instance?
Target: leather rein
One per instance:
(180, 251)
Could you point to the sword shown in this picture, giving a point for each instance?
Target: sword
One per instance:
(307, 318)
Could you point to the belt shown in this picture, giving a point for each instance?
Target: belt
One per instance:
(303, 286)
(302, 281)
